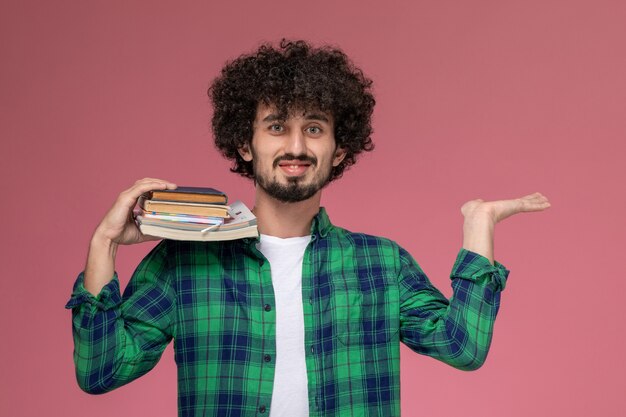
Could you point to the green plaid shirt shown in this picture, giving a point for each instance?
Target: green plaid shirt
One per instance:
(363, 295)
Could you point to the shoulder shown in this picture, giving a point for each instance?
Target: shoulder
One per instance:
(187, 246)
(363, 245)
(178, 252)
(361, 239)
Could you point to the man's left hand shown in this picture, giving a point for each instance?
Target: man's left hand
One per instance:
(499, 210)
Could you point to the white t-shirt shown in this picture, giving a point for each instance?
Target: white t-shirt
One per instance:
(290, 396)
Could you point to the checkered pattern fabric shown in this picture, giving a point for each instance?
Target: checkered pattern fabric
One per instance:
(362, 296)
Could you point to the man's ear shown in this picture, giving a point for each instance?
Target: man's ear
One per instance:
(340, 154)
(244, 152)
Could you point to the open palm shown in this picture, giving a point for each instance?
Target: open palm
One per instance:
(501, 209)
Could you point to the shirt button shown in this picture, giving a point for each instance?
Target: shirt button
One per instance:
(267, 307)
(312, 349)
(262, 409)
(267, 358)
(310, 300)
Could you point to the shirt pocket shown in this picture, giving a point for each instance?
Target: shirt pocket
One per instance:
(367, 315)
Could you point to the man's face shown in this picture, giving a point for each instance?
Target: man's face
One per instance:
(292, 157)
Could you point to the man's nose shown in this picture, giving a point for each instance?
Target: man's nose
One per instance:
(295, 143)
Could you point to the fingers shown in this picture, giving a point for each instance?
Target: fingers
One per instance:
(147, 179)
(534, 202)
(118, 224)
(129, 197)
(152, 184)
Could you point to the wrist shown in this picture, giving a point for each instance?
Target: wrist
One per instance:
(101, 243)
(100, 266)
(478, 231)
(479, 220)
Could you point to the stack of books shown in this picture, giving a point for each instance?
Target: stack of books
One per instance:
(194, 213)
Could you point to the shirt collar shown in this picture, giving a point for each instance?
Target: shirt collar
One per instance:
(321, 224)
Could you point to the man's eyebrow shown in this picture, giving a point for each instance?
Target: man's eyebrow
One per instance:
(317, 116)
(272, 117)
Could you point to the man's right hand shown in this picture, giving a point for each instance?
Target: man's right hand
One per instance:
(117, 227)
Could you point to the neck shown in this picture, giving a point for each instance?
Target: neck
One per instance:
(284, 220)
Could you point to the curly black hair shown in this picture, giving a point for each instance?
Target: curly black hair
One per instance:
(294, 76)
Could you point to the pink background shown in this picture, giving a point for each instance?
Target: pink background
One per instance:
(489, 99)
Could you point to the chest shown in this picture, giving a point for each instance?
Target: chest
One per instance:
(231, 298)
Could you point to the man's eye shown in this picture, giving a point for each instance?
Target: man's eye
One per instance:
(314, 130)
(276, 128)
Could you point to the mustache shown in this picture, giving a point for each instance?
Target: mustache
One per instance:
(291, 157)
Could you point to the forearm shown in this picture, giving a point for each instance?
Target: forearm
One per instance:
(117, 227)
(460, 339)
(107, 351)
(100, 265)
(459, 333)
(456, 331)
(478, 235)
(117, 339)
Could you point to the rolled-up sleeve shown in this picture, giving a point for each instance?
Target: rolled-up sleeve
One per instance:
(119, 338)
(457, 331)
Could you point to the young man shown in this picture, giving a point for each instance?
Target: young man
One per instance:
(307, 319)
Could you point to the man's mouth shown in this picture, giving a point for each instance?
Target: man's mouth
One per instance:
(294, 167)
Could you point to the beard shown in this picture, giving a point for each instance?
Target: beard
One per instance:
(294, 191)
